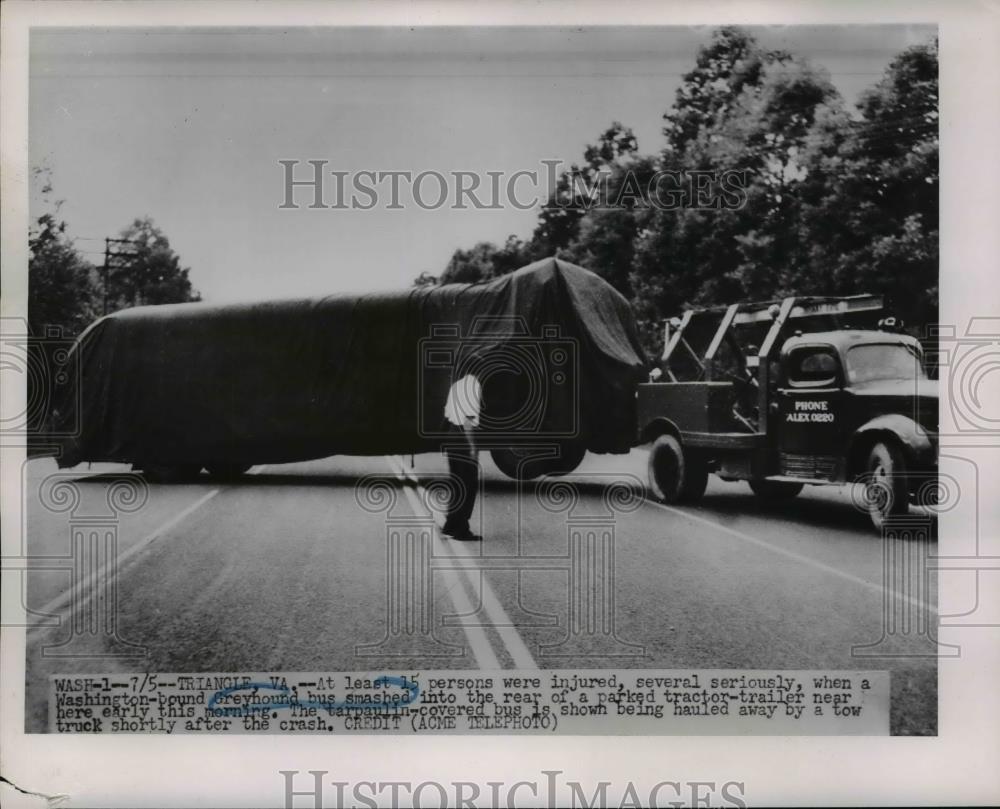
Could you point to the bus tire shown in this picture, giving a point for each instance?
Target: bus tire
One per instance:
(170, 473)
(517, 463)
(227, 471)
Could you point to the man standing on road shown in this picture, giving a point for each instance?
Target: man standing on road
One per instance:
(462, 412)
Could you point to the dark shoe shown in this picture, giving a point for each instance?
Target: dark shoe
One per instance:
(466, 537)
(462, 534)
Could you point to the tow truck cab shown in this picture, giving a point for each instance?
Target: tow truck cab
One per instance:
(829, 397)
(838, 392)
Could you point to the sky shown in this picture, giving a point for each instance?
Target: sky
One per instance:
(188, 125)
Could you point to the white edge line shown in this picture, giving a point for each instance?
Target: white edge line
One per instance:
(805, 560)
(59, 601)
(499, 616)
(84, 587)
(482, 651)
(501, 622)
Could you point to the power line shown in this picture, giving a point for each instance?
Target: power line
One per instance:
(109, 257)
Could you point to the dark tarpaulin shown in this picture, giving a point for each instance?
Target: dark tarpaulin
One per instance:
(555, 346)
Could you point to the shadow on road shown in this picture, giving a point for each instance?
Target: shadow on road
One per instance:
(810, 512)
(248, 481)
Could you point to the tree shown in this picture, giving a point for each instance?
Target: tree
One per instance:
(681, 256)
(768, 134)
(606, 234)
(579, 189)
(875, 225)
(152, 273)
(586, 196)
(828, 203)
(62, 297)
(485, 261)
(426, 279)
(724, 69)
(744, 109)
(62, 292)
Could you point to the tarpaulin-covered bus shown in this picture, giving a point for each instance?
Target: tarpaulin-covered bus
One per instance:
(189, 386)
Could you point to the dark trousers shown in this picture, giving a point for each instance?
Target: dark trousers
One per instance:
(463, 475)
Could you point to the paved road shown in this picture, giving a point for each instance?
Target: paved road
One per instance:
(292, 568)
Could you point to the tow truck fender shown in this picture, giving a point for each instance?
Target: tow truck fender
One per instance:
(916, 444)
(657, 427)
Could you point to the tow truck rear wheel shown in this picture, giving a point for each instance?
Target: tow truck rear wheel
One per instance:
(886, 493)
(772, 490)
(675, 476)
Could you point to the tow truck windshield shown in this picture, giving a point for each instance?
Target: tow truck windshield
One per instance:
(868, 363)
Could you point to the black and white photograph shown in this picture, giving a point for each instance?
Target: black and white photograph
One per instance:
(465, 384)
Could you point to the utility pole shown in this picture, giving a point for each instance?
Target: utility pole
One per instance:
(104, 273)
(109, 257)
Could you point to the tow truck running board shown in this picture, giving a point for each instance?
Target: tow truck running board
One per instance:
(723, 440)
(792, 479)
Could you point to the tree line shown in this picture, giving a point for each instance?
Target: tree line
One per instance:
(774, 188)
(67, 291)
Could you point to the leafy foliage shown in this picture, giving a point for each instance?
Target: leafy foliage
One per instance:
(62, 290)
(876, 221)
(426, 279)
(834, 201)
(485, 261)
(151, 272)
(66, 292)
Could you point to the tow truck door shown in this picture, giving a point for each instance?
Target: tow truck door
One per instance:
(810, 399)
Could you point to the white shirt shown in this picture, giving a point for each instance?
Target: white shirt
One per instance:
(463, 402)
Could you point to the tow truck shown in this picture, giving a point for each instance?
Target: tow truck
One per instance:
(781, 394)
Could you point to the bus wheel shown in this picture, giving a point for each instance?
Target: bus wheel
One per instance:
(772, 490)
(227, 471)
(170, 473)
(885, 492)
(675, 476)
(515, 463)
(570, 457)
(518, 463)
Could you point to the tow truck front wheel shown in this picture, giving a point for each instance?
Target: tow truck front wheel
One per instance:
(886, 494)
(675, 476)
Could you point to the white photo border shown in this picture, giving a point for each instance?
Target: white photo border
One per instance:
(956, 767)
